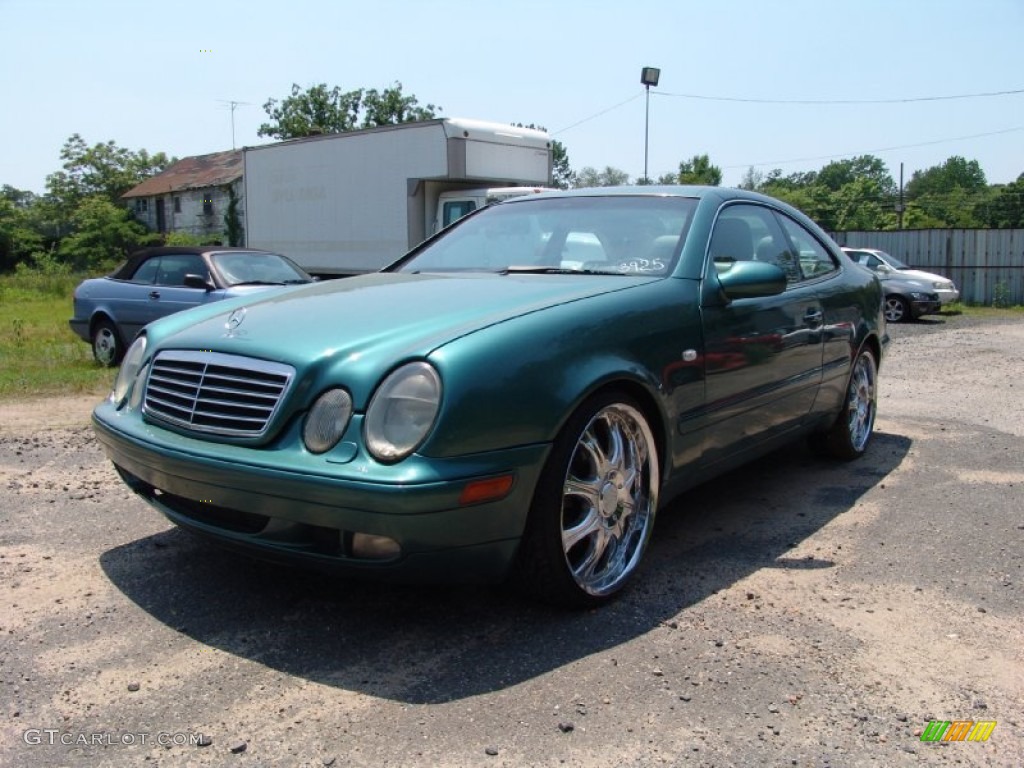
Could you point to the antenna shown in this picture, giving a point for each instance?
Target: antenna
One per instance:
(233, 105)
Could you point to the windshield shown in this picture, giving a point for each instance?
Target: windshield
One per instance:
(259, 268)
(615, 234)
(892, 261)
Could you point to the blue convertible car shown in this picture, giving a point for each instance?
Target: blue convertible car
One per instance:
(515, 398)
(109, 311)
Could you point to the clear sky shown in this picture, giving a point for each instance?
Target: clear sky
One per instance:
(158, 76)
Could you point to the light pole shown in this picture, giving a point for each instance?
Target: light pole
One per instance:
(648, 76)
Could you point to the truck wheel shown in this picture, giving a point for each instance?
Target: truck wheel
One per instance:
(106, 344)
(594, 506)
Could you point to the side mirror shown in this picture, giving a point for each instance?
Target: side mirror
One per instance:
(751, 279)
(198, 281)
(883, 269)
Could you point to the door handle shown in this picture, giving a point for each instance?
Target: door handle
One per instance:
(154, 294)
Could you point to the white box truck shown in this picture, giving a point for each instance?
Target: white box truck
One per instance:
(354, 202)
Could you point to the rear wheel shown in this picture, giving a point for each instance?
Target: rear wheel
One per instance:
(897, 309)
(594, 507)
(106, 344)
(850, 434)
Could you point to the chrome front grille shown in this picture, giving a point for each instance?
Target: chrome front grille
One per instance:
(215, 393)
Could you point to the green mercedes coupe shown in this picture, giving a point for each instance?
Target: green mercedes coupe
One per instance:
(515, 399)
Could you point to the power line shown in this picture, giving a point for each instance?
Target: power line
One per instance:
(597, 114)
(872, 151)
(910, 100)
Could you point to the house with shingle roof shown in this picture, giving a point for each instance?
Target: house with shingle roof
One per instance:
(191, 196)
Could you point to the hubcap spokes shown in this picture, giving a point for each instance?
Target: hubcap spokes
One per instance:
(609, 499)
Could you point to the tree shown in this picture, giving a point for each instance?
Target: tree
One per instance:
(609, 177)
(946, 194)
(18, 238)
(103, 233)
(323, 110)
(102, 169)
(391, 107)
(699, 170)
(752, 179)
(1004, 208)
(839, 173)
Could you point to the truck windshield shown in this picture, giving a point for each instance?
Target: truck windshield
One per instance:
(614, 234)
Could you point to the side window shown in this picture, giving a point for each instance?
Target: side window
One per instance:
(751, 233)
(456, 210)
(174, 267)
(815, 260)
(146, 271)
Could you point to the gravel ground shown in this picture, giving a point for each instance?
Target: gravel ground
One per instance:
(799, 613)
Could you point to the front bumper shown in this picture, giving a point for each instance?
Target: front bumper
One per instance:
(311, 518)
(948, 296)
(80, 328)
(920, 307)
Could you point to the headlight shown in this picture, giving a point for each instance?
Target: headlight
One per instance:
(402, 411)
(130, 366)
(327, 420)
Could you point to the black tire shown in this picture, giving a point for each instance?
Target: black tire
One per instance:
(897, 310)
(107, 347)
(850, 434)
(594, 506)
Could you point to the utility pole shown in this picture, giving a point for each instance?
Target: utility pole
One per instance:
(899, 205)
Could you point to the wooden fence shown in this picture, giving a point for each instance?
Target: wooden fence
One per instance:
(986, 264)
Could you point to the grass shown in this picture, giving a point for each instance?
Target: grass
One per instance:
(977, 310)
(39, 354)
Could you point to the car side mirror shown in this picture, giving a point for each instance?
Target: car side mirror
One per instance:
(883, 269)
(751, 279)
(198, 281)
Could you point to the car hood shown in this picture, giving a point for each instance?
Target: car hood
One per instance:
(928, 277)
(370, 323)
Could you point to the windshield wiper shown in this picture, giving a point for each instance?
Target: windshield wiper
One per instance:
(535, 270)
(257, 282)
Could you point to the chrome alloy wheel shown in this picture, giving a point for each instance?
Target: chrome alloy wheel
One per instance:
(861, 400)
(609, 499)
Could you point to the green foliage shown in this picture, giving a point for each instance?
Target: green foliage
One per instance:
(232, 218)
(609, 177)
(183, 239)
(699, 170)
(1001, 295)
(103, 169)
(321, 110)
(18, 238)
(104, 234)
(1003, 208)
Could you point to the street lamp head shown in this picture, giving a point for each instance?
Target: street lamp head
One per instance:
(649, 76)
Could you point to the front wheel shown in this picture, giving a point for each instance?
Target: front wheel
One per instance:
(594, 507)
(897, 310)
(850, 434)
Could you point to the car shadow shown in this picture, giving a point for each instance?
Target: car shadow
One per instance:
(419, 644)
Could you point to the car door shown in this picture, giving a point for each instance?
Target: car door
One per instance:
(131, 306)
(170, 294)
(763, 356)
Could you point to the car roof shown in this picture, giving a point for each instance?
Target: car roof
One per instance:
(127, 269)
